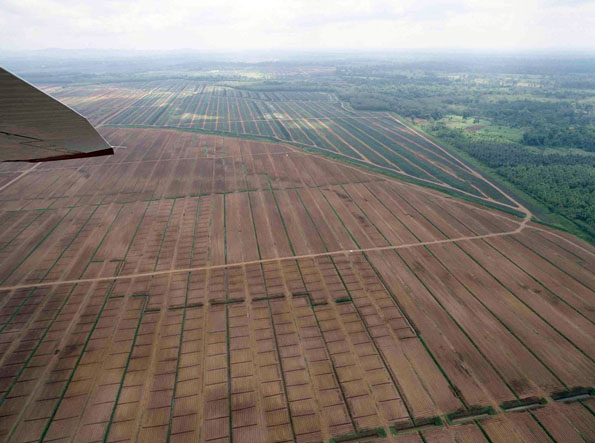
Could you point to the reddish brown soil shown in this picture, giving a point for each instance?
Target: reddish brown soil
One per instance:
(200, 288)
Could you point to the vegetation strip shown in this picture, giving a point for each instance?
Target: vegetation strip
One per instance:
(420, 424)
(472, 414)
(188, 306)
(523, 404)
(357, 436)
(226, 302)
(272, 297)
(574, 394)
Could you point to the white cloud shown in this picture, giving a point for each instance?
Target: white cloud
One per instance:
(305, 24)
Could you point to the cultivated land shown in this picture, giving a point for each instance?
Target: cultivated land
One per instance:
(195, 287)
(314, 120)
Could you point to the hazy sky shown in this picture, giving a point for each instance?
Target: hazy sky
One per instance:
(302, 24)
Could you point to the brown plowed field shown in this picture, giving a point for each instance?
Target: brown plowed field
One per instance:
(200, 288)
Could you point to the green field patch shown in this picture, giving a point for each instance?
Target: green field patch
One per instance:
(482, 126)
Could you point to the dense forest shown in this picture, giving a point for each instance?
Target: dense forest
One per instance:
(565, 183)
(547, 115)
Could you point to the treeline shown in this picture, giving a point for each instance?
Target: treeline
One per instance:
(550, 112)
(564, 183)
(407, 105)
(580, 137)
(547, 124)
(518, 64)
(520, 113)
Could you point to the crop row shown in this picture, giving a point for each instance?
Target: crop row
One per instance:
(313, 120)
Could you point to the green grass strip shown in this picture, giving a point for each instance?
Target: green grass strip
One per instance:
(573, 394)
(188, 306)
(358, 436)
(343, 300)
(171, 210)
(474, 413)
(418, 425)
(226, 302)
(523, 404)
(272, 297)
(152, 310)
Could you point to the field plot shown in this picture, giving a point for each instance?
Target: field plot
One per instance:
(195, 287)
(312, 120)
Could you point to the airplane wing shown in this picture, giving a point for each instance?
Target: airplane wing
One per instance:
(35, 127)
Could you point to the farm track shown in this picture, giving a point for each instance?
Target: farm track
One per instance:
(201, 287)
(252, 262)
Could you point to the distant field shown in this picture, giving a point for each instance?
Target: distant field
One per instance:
(314, 120)
(195, 287)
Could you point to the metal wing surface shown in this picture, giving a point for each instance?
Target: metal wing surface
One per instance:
(35, 127)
